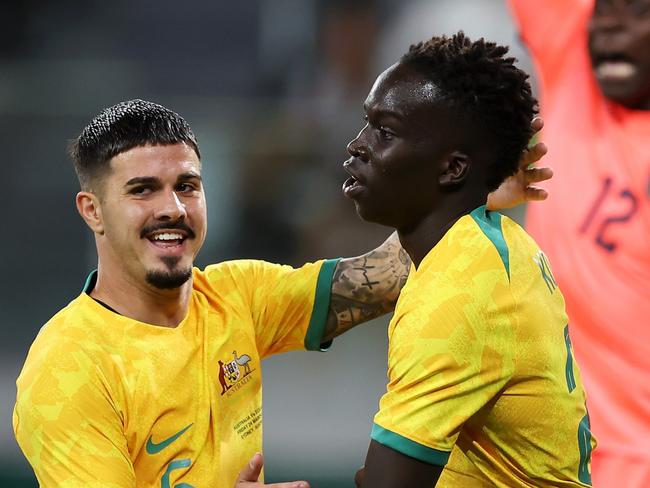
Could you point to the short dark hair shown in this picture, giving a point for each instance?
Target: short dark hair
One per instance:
(122, 127)
(476, 80)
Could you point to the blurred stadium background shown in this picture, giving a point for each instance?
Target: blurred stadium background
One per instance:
(273, 89)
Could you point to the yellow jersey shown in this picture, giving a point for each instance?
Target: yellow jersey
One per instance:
(481, 374)
(107, 401)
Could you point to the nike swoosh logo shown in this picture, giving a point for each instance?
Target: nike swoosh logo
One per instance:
(155, 448)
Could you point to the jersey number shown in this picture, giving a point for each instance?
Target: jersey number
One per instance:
(176, 464)
(604, 222)
(584, 433)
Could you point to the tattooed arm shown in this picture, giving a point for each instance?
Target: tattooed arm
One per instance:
(367, 286)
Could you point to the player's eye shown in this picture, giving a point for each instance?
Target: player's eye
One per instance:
(185, 187)
(140, 190)
(385, 134)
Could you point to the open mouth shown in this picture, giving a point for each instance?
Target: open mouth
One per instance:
(166, 239)
(350, 184)
(353, 185)
(614, 67)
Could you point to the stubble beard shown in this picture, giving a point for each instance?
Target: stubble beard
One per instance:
(172, 277)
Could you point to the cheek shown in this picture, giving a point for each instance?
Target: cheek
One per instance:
(197, 217)
(124, 220)
(199, 211)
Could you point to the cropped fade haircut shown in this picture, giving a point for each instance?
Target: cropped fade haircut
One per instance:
(122, 127)
(478, 82)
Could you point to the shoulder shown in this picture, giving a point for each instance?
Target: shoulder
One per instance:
(516, 236)
(474, 245)
(63, 360)
(74, 343)
(64, 382)
(233, 270)
(525, 254)
(76, 323)
(238, 283)
(457, 280)
(251, 273)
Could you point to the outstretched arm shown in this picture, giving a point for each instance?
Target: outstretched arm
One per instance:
(367, 286)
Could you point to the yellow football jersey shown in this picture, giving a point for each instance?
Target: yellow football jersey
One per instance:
(107, 401)
(481, 374)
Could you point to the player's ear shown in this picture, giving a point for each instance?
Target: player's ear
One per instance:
(90, 210)
(455, 168)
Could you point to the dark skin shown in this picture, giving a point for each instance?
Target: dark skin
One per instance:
(367, 286)
(619, 36)
(387, 467)
(407, 144)
(417, 170)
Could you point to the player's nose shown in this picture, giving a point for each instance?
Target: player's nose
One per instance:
(170, 207)
(357, 148)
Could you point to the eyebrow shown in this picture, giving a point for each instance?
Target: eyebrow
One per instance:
(151, 180)
(190, 175)
(142, 180)
(385, 113)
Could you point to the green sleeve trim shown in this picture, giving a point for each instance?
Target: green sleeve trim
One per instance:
(408, 447)
(314, 336)
(490, 224)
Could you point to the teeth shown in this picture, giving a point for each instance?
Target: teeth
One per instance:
(615, 69)
(168, 236)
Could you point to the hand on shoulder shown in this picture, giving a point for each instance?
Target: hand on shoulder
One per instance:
(520, 187)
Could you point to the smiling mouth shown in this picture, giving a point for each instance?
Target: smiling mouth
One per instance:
(169, 236)
(167, 239)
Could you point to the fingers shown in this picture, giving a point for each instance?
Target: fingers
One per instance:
(535, 194)
(290, 484)
(537, 175)
(537, 124)
(248, 477)
(253, 469)
(532, 154)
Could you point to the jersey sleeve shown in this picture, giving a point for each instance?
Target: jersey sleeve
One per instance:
(65, 423)
(548, 28)
(288, 306)
(447, 360)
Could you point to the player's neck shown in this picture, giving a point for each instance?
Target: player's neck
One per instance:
(421, 238)
(139, 300)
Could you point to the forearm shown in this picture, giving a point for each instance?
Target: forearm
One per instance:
(366, 286)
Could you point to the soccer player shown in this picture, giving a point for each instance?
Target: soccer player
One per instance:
(593, 61)
(483, 389)
(152, 375)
